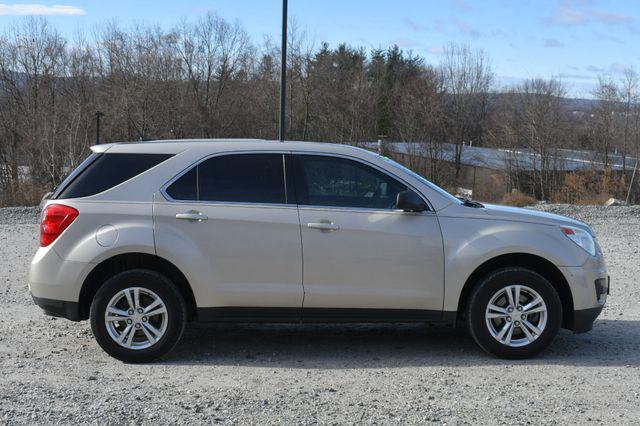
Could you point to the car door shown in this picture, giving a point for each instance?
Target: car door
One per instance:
(359, 252)
(234, 230)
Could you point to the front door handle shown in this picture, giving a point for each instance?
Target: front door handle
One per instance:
(323, 226)
(192, 216)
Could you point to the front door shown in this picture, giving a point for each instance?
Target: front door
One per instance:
(359, 252)
(230, 226)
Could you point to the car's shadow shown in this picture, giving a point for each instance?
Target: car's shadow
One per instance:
(344, 346)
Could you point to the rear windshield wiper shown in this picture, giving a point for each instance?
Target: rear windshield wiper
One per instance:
(470, 203)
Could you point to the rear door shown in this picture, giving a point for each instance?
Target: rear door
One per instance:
(231, 225)
(360, 253)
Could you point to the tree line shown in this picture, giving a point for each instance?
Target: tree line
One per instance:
(207, 79)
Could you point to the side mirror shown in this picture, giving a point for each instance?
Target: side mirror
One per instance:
(409, 201)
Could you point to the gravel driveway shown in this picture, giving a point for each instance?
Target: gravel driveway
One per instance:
(51, 370)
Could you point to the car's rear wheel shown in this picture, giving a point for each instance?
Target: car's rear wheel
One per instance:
(514, 313)
(138, 315)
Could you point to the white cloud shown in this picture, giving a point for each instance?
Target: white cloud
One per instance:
(611, 18)
(435, 50)
(565, 16)
(39, 9)
(413, 25)
(573, 13)
(466, 29)
(552, 43)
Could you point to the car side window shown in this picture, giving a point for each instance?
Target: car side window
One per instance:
(106, 171)
(185, 187)
(340, 182)
(242, 178)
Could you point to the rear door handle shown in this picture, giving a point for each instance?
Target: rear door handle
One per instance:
(192, 216)
(323, 226)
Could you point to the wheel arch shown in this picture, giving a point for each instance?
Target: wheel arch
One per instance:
(127, 261)
(533, 262)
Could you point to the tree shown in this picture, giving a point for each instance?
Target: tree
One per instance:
(467, 78)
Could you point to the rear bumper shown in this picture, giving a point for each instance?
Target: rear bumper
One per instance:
(50, 277)
(59, 308)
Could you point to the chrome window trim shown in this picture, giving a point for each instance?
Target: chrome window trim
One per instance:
(376, 167)
(228, 204)
(365, 210)
(163, 189)
(284, 172)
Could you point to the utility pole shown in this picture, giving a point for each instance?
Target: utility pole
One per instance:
(283, 72)
(631, 183)
(98, 115)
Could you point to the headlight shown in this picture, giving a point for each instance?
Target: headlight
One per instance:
(581, 238)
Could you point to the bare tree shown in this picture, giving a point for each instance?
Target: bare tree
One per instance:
(467, 78)
(534, 120)
(604, 129)
(628, 93)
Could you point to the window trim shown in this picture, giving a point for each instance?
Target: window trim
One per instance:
(163, 189)
(430, 209)
(290, 157)
(91, 158)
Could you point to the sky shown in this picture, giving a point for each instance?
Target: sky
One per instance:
(573, 40)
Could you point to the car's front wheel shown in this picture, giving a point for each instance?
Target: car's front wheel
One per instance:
(138, 315)
(514, 313)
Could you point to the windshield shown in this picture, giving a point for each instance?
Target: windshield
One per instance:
(417, 176)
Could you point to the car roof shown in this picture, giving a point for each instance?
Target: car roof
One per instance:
(175, 146)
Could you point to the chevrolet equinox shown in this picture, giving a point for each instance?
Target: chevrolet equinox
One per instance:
(143, 237)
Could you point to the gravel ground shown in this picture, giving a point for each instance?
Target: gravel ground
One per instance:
(52, 371)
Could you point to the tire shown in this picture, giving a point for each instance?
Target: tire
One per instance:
(145, 335)
(487, 325)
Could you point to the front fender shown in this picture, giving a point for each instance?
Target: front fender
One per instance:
(468, 243)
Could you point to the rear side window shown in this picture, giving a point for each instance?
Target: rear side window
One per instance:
(241, 178)
(186, 187)
(109, 170)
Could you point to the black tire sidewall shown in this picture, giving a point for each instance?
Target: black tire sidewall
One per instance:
(492, 284)
(150, 280)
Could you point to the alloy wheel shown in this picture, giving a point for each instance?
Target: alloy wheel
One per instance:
(516, 315)
(136, 318)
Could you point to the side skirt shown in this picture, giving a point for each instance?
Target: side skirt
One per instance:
(322, 315)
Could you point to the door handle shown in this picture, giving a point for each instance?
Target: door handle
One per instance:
(323, 226)
(192, 216)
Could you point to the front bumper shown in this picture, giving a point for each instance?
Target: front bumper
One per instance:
(589, 286)
(583, 319)
(59, 308)
(582, 282)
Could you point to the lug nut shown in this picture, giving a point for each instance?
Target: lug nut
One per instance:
(129, 321)
(508, 319)
(524, 317)
(130, 311)
(139, 310)
(517, 323)
(137, 325)
(520, 308)
(144, 319)
(509, 309)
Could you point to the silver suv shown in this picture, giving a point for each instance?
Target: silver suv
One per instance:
(143, 237)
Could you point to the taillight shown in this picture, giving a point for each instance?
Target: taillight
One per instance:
(55, 219)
